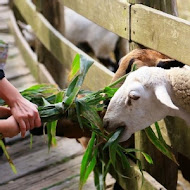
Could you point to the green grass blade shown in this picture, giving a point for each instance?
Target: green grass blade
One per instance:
(159, 133)
(159, 145)
(112, 153)
(87, 157)
(79, 114)
(146, 156)
(90, 166)
(51, 126)
(77, 82)
(75, 67)
(90, 113)
(113, 138)
(31, 140)
(123, 158)
(8, 157)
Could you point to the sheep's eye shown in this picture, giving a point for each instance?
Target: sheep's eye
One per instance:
(134, 95)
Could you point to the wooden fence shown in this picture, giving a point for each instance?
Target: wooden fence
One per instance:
(138, 23)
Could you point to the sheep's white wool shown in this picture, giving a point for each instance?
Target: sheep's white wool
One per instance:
(180, 82)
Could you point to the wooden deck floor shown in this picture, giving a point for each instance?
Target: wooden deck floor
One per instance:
(37, 169)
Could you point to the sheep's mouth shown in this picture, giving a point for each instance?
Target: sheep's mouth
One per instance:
(114, 129)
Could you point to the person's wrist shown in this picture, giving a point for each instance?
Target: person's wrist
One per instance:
(14, 100)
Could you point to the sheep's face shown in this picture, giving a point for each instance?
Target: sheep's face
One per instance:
(135, 105)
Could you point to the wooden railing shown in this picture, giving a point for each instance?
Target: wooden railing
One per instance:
(149, 27)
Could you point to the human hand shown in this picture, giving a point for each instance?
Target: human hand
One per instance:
(9, 127)
(26, 114)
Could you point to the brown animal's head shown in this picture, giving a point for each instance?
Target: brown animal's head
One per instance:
(144, 57)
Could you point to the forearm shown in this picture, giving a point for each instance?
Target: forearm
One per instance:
(8, 92)
(9, 127)
(3, 126)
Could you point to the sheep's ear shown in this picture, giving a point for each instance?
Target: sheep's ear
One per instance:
(163, 96)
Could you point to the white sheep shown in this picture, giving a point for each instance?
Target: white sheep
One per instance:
(102, 42)
(148, 95)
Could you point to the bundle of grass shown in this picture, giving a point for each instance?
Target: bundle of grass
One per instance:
(103, 151)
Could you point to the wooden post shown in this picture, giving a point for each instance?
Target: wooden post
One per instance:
(163, 169)
(54, 12)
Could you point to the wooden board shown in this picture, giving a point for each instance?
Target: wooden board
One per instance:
(132, 179)
(179, 134)
(162, 32)
(112, 15)
(61, 176)
(60, 47)
(36, 161)
(37, 69)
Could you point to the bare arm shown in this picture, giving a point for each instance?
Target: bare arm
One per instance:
(24, 112)
(9, 127)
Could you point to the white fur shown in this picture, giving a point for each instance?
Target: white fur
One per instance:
(79, 29)
(145, 97)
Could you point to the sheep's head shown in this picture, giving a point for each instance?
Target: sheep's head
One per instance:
(142, 99)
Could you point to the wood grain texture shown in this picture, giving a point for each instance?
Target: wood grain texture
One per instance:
(112, 15)
(33, 162)
(37, 69)
(162, 32)
(59, 176)
(133, 179)
(179, 134)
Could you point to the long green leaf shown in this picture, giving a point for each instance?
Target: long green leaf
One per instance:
(112, 153)
(90, 166)
(75, 66)
(159, 133)
(8, 157)
(113, 138)
(77, 82)
(86, 160)
(146, 156)
(159, 145)
(123, 158)
(90, 113)
(51, 127)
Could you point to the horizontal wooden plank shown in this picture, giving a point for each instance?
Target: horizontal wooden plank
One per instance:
(112, 15)
(37, 69)
(162, 32)
(63, 175)
(60, 47)
(35, 161)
